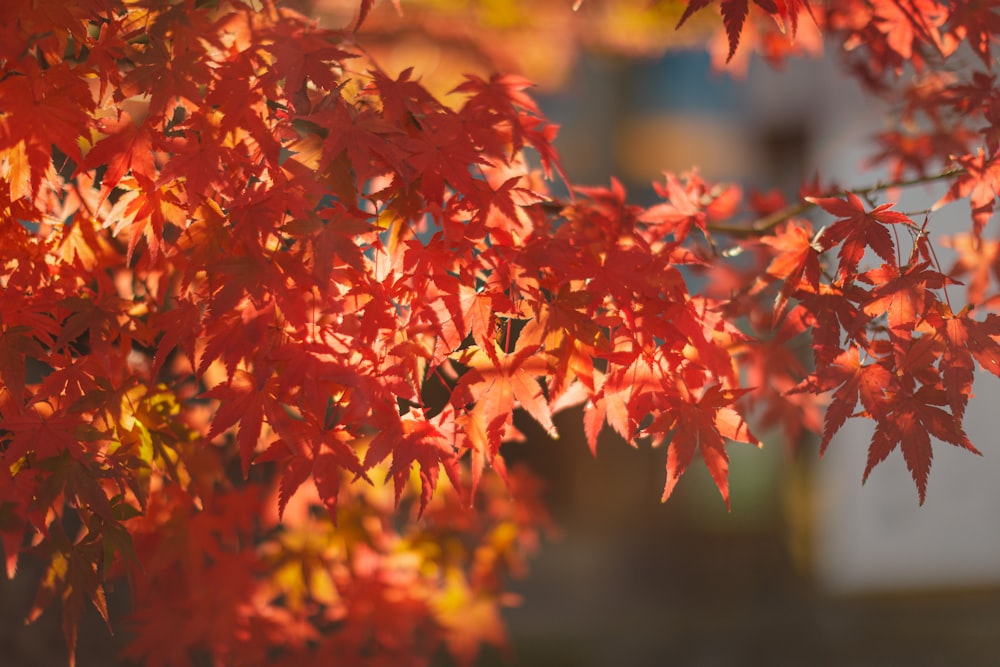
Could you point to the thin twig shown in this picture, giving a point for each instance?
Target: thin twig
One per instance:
(768, 222)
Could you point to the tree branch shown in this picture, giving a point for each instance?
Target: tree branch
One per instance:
(762, 225)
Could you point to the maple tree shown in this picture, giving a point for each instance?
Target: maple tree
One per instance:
(258, 294)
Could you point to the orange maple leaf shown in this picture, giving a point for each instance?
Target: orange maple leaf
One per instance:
(495, 384)
(980, 183)
(702, 426)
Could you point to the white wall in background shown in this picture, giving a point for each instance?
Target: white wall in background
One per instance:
(877, 537)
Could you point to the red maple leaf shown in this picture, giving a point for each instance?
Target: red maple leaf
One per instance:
(977, 23)
(734, 15)
(788, 13)
(980, 183)
(74, 577)
(965, 340)
(795, 262)
(456, 311)
(908, 24)
(144, 213)
(830, 312)
(38, 431)
(850, 380)
(246, 399)
(679, 213)
(907, 421)
(127, 147)
(419, 441)
(773, 367)
(701, 426)
(307, 449)
(44, 109)
(859, 229)
(903, 294)
(797, 258)
(501, 98)
(366, 6)
(979, 260)
(169, 75)
(497, 382)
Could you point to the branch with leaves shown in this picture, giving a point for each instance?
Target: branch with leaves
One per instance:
(767, 223)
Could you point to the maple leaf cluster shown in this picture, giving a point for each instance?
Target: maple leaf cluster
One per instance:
(258, 294)
(211, 259)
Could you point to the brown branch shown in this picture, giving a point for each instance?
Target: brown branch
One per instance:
(761, 226)
(765, 224)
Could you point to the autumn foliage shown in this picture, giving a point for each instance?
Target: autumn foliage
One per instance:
(258, 295)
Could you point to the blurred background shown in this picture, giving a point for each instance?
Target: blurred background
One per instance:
(810, 567)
